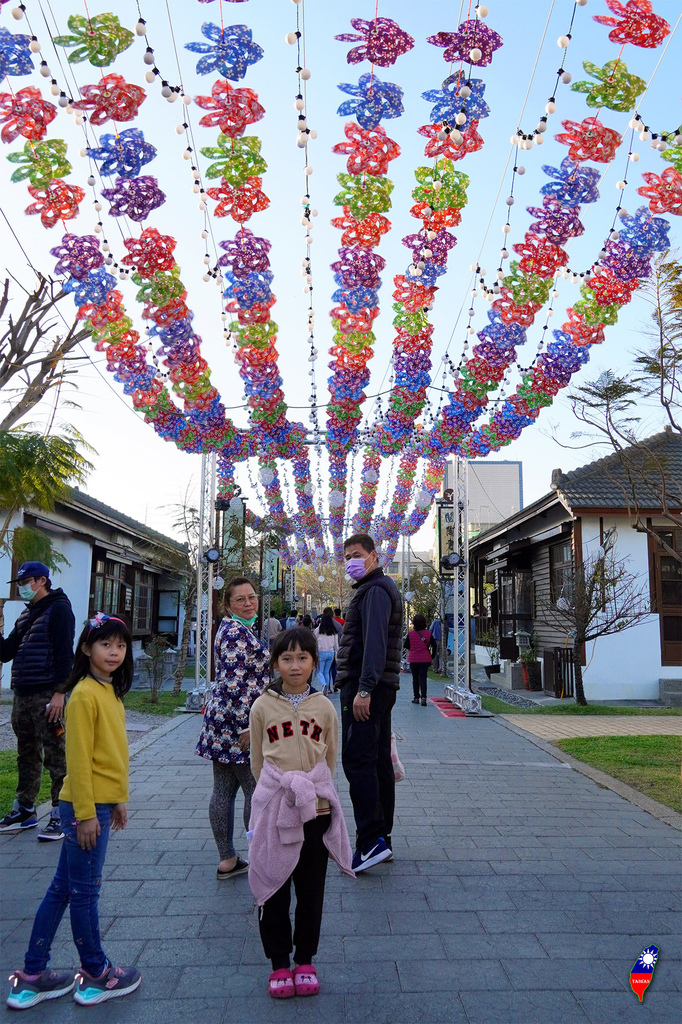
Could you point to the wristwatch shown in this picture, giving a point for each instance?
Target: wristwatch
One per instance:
(364, 694)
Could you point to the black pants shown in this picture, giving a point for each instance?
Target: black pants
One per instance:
(309, 875)
(366, 759)
(419, 670)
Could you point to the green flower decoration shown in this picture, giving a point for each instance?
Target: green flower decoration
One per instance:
(363, 197)
(534, 399)
(593, 312)
(615, 88)
(42, 162)
(99, 39)
(160, 288)
(257, 335)
(673, 155)
(453, 186)
(476, 387)
(527, 287)
(354, 341)
(412, 323)
(238, 159)
(113, 334)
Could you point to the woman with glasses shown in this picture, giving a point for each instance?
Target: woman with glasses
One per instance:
(241, 675)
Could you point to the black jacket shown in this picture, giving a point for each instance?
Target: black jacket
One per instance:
(370, 645)
(40, 646)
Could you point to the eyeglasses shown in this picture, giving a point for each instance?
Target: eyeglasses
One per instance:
(244, 600)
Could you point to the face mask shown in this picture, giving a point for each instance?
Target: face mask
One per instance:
(355, 568)
(245, 622)
(26, 593)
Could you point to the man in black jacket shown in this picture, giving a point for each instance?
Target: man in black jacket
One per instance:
(369, 678)
(40, 648)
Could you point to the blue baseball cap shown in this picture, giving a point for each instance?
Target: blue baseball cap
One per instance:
(31, 569)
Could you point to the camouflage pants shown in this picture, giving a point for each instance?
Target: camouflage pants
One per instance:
(36, 742)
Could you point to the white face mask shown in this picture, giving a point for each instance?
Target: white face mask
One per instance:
(26, 592)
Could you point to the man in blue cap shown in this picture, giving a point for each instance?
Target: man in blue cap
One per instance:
(40, 648)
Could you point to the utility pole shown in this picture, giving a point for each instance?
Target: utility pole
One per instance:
(202, 666)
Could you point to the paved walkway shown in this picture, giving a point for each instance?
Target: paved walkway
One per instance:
(520, 892)
(565, 726)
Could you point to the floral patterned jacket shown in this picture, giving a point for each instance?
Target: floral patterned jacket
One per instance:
(241, 668)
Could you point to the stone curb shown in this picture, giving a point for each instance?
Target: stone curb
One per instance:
(652, 807)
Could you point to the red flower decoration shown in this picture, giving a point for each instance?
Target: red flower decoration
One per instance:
(239, 203)
(590, 140)
(55, 203)
(361, 321)
(608, 288)
(231, 110)
(26, 113)
(367, 232)
(413, 296)
(436, 220)
(639, 25)
(109, 312)
(581, 332)
(511, 313)
(470, 142)
(258, 314)
(369, 149)
(664, 191)
(150, 252)
(176, 309)
(112, 98)
(540, 257)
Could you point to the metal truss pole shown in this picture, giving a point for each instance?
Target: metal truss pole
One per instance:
(459, 692)
(196, 699)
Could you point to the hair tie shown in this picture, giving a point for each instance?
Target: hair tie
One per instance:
(100, 618)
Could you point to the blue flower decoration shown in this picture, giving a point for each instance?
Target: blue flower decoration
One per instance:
(448, 102)
(429, 275)
(646, 234)
(355, 299)
(573, 184)
(123, 154)
(250, 289)
(231, 52)
(376, 101)
(15, 55)
(94, 288)
(179, 330)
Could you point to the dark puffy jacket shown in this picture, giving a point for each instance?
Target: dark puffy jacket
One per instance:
(370, 645)
(40, 646)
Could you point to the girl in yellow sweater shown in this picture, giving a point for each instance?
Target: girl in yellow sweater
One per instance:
(92, 802)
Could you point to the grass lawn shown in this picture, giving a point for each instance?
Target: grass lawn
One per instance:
(140, 700)
(499, 707)
(650, 764)
(8, 782)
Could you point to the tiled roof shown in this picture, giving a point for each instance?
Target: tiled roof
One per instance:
(86, 500)
(607, 483)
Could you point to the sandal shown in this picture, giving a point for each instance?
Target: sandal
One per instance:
(305, 980)
(240, 867)
(281, 984)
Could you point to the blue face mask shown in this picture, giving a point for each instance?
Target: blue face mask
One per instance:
(26, 592)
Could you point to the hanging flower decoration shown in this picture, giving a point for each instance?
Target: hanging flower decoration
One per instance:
(245, 254)
(673, 155)
(77, 255)
(231, 51)
(455, 146)
(230, 109)
(572, 183)
(150, 252)
(375, 100)
(615, 88)
(111, 99)
(237, 159)
(590, 140)
(123, 154)
(366, 233)
(626, 262)
(134, 197)
(359, 267)
(369, 152)
(94, 288)
(441, 186)
(25, 113)
(362, 197)
(609, 289)
(644, 233)
(55, 203)
(99, 39)
(634, 23)
(41, 162)
(448, 100)
(471, 35)
(556, 221)
(15, 54)
(239, 203)
(664, 191)
(383, 41)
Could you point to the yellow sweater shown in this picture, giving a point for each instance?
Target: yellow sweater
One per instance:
(96, 748)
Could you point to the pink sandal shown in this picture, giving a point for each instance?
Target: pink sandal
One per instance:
(305, 980)
(281, 984)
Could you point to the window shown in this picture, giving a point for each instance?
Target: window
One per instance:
(105, 586)
(143, 600)
(667, 592)
(561, 571)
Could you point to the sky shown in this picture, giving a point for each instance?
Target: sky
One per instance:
(143, 476)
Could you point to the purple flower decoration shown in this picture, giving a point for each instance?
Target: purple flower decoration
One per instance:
(448, 102)
(231, 51)
(134, 197)
(503, 336)
(245, 253)
(573, 184)
(94, 288)
(77, 255)
(383, 41)
(622, 259)
(555, 221)
(123, 154)
(375, 101)
(438, 246)
(644, 233)
(470, 35)
(15, 55)
(249, 290)
(359, 267)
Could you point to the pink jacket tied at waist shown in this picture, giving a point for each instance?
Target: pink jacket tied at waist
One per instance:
(281, 803)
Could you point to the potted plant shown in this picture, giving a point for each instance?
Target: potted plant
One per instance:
(491, 642)
(532, 674)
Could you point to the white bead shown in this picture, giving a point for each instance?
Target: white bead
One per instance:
(148, 57)
(45, 71)
(290, 38)
(55, 90)
(308, 170)
(196, 174)
(509, 200)
(186, 154)
(475, 54)
(460, 118)
(97, 206)
(206, 277)
(180, 129)
(313, 133)
(622, 214)
(437, 186)
(581, 3)
(187, 100)
(97, 229)
(149, 76)
(204, 233)
(538, 140)
(465, 92)
(562, 42)
(82, 152)
(555, 294)
(299, 104)
(305, 74)
(482, 11)
(34, 46)
(550, 107)
(441, 136)
(662, 146)
(644, 136)
(196, 188)
(634, 123)
(302, 141)
(566, 77)
(614, 236)
(172, 98)
(17, 13)
(634, 157)
(504, 254)
(201, 206)
(140, 28)
(621, 185)
(506, 228)
(541, 126)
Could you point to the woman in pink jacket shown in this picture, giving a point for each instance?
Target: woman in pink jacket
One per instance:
(420, 651)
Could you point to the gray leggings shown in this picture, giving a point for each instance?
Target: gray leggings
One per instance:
(227, 778)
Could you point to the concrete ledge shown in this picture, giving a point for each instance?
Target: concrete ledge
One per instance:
(652, 807)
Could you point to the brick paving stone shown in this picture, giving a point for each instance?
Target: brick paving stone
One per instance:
(567, 726)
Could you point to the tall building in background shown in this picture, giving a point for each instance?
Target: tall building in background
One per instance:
(495, 492)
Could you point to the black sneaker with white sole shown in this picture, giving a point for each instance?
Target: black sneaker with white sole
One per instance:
(363, 859)
(116, 981)
(51, 831)
(18, 819)
(27, 991)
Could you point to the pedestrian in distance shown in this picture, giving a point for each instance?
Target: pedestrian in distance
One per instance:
(421, 648)
(273, 627)
(327, 637)
(92, 802)
(241, 673)
(296, 817)
(369, 678)
(40, 648)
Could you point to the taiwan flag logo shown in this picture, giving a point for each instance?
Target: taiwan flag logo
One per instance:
(643, 971)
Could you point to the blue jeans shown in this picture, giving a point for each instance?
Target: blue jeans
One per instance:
(324, 668)
(76, 884)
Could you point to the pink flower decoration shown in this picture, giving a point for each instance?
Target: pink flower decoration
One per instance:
(447, 147)
(383, 41)
(638, 24)
(57, 202)
(369, 149)
(26, 113)
(663, 191)
(231, 110)
(473, 34)
(112, 98)
(589, 140)
(239, 203)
